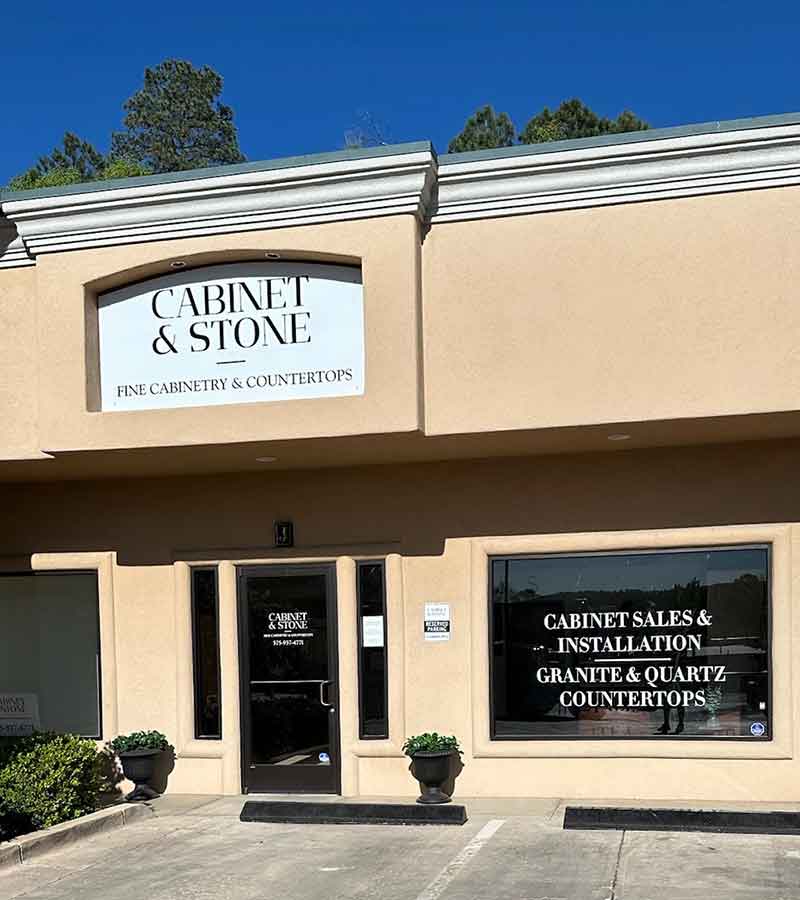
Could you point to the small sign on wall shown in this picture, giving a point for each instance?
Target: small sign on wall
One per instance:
(19, 714)
(436, 624)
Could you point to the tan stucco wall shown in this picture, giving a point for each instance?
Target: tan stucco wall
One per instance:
(671, 310)
(646, 311)
(50, 301)
(435, 524)
(18, 365)
(486, 331)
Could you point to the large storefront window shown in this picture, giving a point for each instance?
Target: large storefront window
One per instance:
(631, 645)
(50, 653)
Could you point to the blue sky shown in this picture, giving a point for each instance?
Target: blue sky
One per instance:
(297, 74)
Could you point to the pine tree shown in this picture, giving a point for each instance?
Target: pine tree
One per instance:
(573, 119)
(484, 130)
(176, 121)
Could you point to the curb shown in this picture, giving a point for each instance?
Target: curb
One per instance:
(30, 846)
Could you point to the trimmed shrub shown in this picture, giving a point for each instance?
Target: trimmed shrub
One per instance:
(49, 778)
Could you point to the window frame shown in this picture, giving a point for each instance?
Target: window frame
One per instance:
(766, 546)
(362, 736)
(36, 573)
(198, 731)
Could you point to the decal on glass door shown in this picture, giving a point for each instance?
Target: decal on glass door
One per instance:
(288, 629)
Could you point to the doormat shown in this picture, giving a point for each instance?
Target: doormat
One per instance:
(310, 813)
(718, 821)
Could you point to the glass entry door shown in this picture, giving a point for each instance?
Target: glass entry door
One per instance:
(290, 734)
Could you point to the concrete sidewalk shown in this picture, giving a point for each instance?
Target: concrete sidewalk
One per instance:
(195, 848)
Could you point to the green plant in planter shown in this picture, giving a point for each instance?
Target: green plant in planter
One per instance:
(140, 740)
(138, 753)
(431, 742)
(433, 758)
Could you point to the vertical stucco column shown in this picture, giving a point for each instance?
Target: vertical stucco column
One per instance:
(348, 671)
(396, 669)
(229, 677)
(183, 657)
(187, 746)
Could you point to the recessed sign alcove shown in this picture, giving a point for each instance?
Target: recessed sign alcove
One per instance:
(238, 333)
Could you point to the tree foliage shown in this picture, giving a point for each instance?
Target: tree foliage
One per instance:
(571, 119)
(176, 121)
(59, 169)
(73, 154)
(484, 130)
(33, 179)
(73, 161)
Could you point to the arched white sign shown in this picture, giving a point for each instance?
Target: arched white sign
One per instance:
(238, 333)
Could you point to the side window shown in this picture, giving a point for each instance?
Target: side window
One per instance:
(372, 662)
(205, 644)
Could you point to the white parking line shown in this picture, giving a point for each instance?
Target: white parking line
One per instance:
(449, 872)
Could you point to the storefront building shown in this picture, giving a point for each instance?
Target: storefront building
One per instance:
(302, 457)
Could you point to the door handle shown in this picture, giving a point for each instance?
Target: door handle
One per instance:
(322, 699)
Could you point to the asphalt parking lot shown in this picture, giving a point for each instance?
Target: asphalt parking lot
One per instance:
(196, 849)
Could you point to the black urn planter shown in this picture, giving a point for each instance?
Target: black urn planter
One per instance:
(138, 766)
(432, 768)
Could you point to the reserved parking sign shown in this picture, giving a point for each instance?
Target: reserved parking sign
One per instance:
(436, 624)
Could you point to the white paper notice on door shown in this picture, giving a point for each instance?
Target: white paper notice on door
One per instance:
(436, 625)
(372, 631)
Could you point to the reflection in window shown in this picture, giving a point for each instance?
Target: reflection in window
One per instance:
(50, 653)
(631, 645)
(205, 639)
(372, 671)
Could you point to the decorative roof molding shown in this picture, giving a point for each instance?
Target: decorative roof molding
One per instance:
(745, 154)
(646, 166)
(329, 188)
(12, 248)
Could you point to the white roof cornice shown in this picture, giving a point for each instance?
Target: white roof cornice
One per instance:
(407, 178)
(547, 177)
(241, 198)
(12, 248)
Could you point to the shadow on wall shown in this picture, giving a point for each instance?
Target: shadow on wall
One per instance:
(7, 234)
(410, 509)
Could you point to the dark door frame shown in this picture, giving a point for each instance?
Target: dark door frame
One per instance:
(288, 570)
